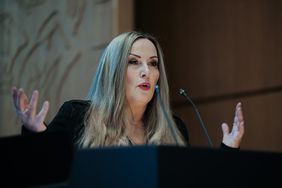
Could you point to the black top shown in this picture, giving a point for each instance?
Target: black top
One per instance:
(71, 115)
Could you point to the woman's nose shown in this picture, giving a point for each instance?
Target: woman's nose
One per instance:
(144, 70)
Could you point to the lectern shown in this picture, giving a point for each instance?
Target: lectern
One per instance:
(170, 166)
(41, 159)
(49, 160)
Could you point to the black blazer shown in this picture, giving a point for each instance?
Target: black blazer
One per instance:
(71, 115)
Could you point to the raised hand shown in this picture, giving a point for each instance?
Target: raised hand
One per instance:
(233, 138)
(27, 111)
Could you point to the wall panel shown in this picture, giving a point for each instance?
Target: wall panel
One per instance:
(222, 52)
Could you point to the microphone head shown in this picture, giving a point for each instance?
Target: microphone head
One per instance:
(182, 92)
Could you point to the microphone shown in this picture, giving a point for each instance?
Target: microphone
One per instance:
(166, 115)
(183, 93)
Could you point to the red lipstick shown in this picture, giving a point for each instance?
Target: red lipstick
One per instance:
(145, 86)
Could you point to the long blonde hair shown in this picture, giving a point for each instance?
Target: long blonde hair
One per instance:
(106, 118)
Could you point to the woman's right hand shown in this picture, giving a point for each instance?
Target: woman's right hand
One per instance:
(27, 111)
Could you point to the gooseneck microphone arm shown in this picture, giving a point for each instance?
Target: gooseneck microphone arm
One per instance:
(183, 93)
(169, 123)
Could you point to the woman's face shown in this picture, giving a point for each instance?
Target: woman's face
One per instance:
(142, 72)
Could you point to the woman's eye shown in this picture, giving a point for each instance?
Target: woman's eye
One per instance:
(133, 62)
(154, 63)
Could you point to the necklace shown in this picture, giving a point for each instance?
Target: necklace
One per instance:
(131, 141)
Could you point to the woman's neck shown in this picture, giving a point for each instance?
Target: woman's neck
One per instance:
(135, 125)
(135, 114)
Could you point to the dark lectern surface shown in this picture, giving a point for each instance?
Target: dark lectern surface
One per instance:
(47, 160)
(35, 160)
(163, 166)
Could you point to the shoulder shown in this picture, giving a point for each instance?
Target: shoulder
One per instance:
(178, 120)
(75, 106)
(77, 103)
(72, 110)
(181, 127)
(70, 115)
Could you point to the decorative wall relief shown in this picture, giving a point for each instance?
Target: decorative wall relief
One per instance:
(52, 46)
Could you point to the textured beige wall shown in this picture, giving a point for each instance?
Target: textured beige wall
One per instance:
(52, 46)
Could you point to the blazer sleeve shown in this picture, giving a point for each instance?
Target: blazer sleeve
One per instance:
(69, 118)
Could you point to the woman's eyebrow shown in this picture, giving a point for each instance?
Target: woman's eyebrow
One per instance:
(154, 57)
(140, 56)
(135, 55)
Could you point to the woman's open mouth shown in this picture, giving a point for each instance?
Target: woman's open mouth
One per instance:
(145, 86)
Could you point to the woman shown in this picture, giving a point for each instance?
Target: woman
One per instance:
(122, 106)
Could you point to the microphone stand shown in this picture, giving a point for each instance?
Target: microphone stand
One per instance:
(183, 93)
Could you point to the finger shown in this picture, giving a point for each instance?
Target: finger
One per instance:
(43, 112)
(14, 95)
(237, 111)
(238, 118)
(241, 129)
(238, 105)
(225, 128)
(18, 96)
(235, 126)
(240, 113)
(33, 103)
(22, 100)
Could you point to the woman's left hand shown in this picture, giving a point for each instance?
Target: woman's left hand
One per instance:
(233, 138)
